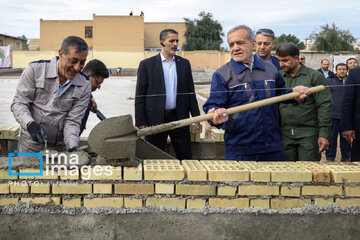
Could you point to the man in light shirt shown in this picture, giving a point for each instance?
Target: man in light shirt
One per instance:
(51, 99)
(324, 69)
(165, 93)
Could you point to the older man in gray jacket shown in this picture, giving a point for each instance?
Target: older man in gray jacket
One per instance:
(51, 99)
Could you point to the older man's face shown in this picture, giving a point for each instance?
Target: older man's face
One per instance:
(264, 45)
(72, 62)
(302, 59)
(240, 46)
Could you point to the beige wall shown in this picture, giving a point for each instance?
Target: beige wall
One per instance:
(34, 44)
(20, 59)
(206, 59)
(118, 33)
(153, 29)
(124, 59)
(53, 32)
(15, 44)
(118, 59)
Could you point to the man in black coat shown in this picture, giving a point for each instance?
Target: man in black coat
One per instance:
(350, 114)
(165, 93)
(337, 88)
(324, 69)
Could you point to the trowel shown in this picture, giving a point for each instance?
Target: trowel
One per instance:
(115, 138)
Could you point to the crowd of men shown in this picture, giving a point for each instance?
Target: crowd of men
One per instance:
(53, 100)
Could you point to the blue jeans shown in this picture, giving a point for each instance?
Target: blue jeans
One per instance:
(344, 145)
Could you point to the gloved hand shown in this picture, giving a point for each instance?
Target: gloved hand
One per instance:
(37, 133)
(73, 149)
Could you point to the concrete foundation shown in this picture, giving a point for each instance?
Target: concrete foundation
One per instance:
(179, 226)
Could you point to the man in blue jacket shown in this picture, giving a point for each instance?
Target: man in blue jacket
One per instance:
(253, 134)
(264, 44)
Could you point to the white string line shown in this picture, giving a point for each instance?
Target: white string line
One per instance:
(245, 90)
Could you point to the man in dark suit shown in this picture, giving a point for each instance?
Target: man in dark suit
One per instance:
(165, 93)
(324, 69)
(350, 114)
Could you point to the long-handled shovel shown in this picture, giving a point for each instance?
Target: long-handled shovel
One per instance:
(115, 138)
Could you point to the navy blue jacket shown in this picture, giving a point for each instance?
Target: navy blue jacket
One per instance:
(253, 131)
(350, 113)
(274, 60)
(337, 92)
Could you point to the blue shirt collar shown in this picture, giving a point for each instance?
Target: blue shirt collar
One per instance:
(260, 58)
(240, 67)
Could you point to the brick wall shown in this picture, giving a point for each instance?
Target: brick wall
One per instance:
(194, 184)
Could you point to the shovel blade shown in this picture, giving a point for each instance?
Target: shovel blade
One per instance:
(114, 138)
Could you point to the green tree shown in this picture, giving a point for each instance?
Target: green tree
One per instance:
(283, 38)
(25, 45)
(331, 38)
(203, 34)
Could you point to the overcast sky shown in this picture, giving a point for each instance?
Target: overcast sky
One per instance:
(300, 18)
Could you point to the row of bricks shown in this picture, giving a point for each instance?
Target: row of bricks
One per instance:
(180, 189)
(9, 132)
(120, 202)
(193, 170)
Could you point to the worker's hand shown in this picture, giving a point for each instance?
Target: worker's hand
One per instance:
(220, 115)
(349, 136)
(323, 144)
(37, 133)
(141, 127)
(304, 92)
(197, 127)
(93, 105)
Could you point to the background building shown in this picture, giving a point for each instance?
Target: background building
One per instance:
(15, 43)
(108, 33)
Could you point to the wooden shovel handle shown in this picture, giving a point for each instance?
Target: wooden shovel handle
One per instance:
(188, 121)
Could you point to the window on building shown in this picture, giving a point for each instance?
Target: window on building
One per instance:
(1, 42)
(88, 31)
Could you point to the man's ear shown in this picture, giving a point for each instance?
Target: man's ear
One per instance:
(61, 53)
(254, 45)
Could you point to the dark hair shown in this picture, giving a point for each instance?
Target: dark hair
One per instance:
(96, 68)
(324, 60)
(351, 59)
(164, 33)
(266, 32)
(249, 31)
(341, 64)
(72, 41)
(288, 49)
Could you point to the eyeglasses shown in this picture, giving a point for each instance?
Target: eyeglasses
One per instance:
(302, 58)
(97, 82)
